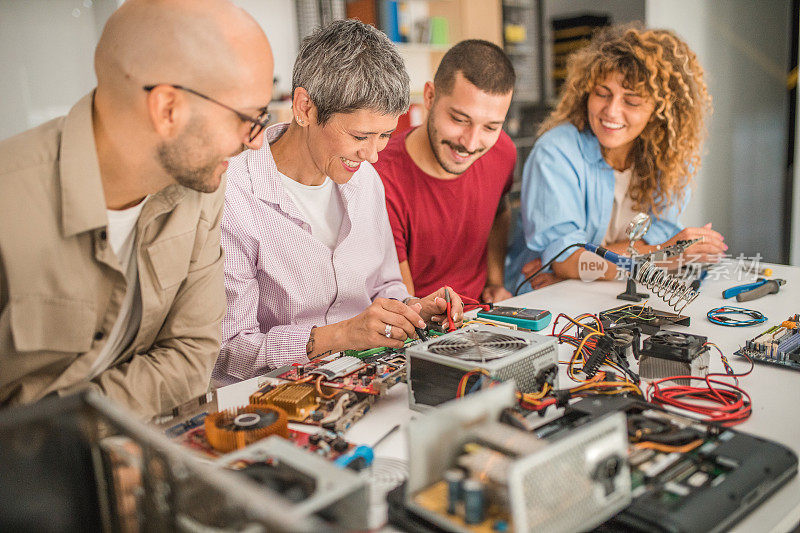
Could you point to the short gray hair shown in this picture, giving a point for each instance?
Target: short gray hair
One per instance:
(348, 65)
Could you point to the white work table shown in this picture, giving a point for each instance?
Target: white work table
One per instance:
(775, 391)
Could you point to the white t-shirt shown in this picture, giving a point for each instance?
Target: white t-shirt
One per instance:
(321, 205)
(622, 211)
(122, 238)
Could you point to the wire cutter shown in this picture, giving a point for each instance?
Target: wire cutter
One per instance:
(752, 291)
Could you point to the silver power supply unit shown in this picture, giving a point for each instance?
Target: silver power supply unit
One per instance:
(435, 367)
(569, 484)
(335, 493)
(107, 471)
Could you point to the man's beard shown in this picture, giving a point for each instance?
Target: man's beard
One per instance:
(189, 159)
(436, 143)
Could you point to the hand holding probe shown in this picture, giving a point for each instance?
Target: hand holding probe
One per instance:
(451, 326)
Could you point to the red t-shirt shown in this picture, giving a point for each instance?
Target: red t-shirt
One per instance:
(442, 226)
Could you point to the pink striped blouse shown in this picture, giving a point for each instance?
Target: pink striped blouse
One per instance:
(280, 280)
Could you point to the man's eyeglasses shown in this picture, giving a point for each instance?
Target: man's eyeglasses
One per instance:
(259, 123)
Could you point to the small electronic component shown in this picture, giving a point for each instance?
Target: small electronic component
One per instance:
(474, 505)
(778, 345)
(298, 400)
(339, 367)
(454, 478)
(672, 353)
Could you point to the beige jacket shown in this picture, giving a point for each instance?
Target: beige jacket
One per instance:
(61, 285)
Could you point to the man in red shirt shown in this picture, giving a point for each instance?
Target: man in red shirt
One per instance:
(446, 180)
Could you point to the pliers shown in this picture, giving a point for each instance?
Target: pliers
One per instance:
(751, 291)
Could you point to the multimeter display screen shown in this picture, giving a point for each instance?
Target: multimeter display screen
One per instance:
(518, 312)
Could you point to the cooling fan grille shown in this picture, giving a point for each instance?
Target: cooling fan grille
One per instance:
(476, 345)
(673, 339)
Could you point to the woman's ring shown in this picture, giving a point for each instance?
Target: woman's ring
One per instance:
(387, 331)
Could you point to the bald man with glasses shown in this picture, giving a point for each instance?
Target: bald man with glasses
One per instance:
(111, 272)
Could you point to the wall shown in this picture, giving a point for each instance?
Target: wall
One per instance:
(277, 18)
(46, 49)
(47, 53)
(620, 11)
(744, 50)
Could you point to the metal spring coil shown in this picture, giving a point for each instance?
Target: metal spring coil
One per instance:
(666, 286)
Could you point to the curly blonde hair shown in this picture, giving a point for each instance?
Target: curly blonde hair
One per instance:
(659, 65)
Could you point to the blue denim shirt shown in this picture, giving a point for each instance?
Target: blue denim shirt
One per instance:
(567, 197)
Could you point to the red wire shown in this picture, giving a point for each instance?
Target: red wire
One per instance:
(451, 326)
(485, 307)
(471, 303)
(542, 405)
(730, 405)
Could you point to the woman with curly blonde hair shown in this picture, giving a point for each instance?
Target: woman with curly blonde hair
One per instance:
(625, 137)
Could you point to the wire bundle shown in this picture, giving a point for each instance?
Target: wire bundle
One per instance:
(538, 401)
(623, 312)
(559, 397)
(591, 385)
(717, 316)
(584, 345)
(719, 401)
(462, 383)
(470, 304)
(661, 435)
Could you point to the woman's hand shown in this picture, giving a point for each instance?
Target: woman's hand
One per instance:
(434, 307)
(708, 250)
(369, 329)
(385, 323)
(495, 293)
(542, 280)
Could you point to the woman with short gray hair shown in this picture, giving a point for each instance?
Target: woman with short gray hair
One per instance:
(310, 262)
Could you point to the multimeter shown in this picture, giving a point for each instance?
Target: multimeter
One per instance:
(523, 317)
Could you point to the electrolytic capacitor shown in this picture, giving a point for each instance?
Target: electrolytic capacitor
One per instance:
(473, 501)
(453, 477)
